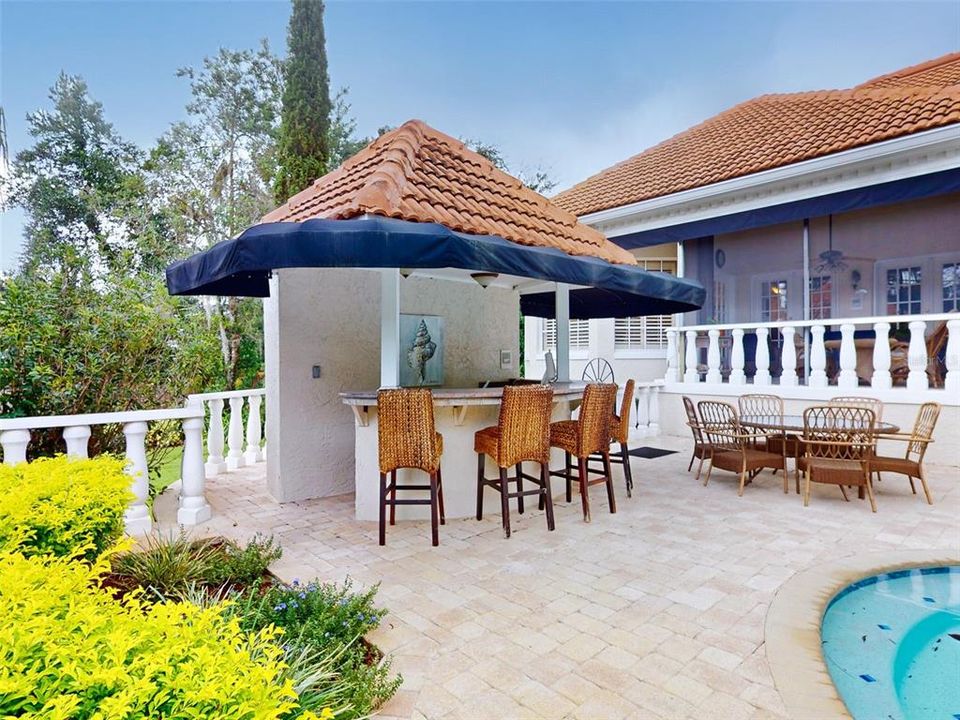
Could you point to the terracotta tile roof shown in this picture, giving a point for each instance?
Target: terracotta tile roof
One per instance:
(776, 130)
(418, 174)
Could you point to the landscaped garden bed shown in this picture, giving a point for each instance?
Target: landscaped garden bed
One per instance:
(95, 627)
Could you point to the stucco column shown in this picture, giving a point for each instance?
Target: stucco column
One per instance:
(563, 332)
(389, 328)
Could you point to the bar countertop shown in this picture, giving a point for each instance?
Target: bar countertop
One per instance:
(459, 397)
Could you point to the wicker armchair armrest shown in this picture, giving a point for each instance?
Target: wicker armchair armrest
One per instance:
(903, 437)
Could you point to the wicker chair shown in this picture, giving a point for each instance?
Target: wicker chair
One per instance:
(701, 448)
(860, 402)
(731, 446)
(522, 433)
(911, 464)
(620, 435)
(583, 437)
(838, 444)
(408, 439)
(786, 445)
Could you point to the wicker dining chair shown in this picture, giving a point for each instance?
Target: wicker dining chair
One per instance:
(838, 443)
(785, 444)
(522, 433)
(408, 439)
(583, 437)
(620, 435)
(911, 464)
(861, 402)
(701, 449)
(731, 446)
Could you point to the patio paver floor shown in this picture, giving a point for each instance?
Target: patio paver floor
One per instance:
(655, 612)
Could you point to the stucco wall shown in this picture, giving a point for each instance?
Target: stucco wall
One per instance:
(331, 318)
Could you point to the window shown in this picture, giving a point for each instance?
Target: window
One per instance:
(904, 290)
(773, 301)
(719, 301)
(579, 335)
(648, 332)
(821, 297)
(950, 286)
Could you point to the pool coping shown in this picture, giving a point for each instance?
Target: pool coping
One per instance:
(792, 626)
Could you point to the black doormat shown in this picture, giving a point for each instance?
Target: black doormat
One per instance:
(651, 452)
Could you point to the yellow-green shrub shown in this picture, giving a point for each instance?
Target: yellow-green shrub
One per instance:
(69, 650)
(59, 505)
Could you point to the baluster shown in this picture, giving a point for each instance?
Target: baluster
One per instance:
(76, 437)
(952, 381)
(818, 358)
(881, 356)
(193, 504)
(137, 518)
(848, 358)
(254, 432)
(14, 444)
(235, 434)
(690, 374)
(762, 358)
(788, 358)
(653, 429)
(737, 361)
(672, 375)
(713, 356)
(643, 410)
(215, 463)
(917, 357)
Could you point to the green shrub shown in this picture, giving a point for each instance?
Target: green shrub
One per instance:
(244, 566)
(68, 650)
(63, 505)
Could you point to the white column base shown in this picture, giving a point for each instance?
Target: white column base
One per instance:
(138, 522)
(194, 515)
(235, 463)
(211, 469)
(252, 457)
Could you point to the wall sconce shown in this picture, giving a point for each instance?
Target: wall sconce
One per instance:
(484, 279)
(405, 273)
(855, 279)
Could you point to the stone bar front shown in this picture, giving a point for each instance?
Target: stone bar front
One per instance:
(458, 413)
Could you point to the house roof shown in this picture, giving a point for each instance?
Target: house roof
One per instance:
(418, 174)
(771, 131)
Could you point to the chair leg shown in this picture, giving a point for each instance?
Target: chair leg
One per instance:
(692, 458)
(913, 488)
(480, 461)
(520, 488)
(806, 488)
(627, 470)
(873, 503)
(434, 519)
(383, 508)
(608, 472)
(700, 466)
(547, 496)
(443, 514)
(393, 496)
(743, 477)
(843, 491)
(923, 484)
(584, 489)
(569, 471)
(505, 501)
(709, 470)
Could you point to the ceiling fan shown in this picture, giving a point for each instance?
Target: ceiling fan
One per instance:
(831, 259)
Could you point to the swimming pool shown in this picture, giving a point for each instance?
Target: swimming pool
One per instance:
(892, 645)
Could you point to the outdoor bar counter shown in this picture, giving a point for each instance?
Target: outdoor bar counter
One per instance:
(458, 414)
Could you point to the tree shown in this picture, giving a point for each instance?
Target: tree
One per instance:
(537, 180)
(83, 192)
(304, 148)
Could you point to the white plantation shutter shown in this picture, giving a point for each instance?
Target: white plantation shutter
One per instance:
(645, 333)
(579, 335)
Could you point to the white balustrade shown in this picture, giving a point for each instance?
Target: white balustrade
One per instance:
(215, 462)
(643, 408)
(818, 358)
(14, 444)
(690, 373)
(193, 504)
(762, 376)
(239, 454)
(235, 435)
(76, 438)
(952, 381)
(672, 374)
(917, 357)
(881, 357)
(138, 520)
(737, 375)
(713, 356)
(254, 432)
(847, 379)
(788, 358)
(653, 428)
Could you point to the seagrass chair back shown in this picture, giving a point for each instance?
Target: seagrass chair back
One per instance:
(524, 424)
(718, 420)
(406, 430)
(621, 430)
(839, 432)
(593, 426)
(923, 427)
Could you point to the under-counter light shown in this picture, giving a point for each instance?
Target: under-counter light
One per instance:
(484, 279)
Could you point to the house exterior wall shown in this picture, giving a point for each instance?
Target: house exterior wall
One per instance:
(331, 318)
(925, 230)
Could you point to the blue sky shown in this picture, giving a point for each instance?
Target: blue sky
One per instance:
(568, 86)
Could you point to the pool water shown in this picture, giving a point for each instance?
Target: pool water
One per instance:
(892, 645)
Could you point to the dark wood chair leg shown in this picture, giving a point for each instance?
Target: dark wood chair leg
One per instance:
(505, 501)
(627, 470)
(611, 499)
(584, 489)
(383, 508)
(434, 524)
(569, 478)
(393, 496)
(480, 459)
(692, 458)
(546, 497)
(520, 488)
(443, 514)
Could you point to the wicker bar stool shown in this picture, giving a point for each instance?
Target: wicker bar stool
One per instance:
(583, 437)
(619, 435)
(522, 433)
(408, 439)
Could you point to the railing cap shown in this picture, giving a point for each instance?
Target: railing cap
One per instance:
(227, 394)
(57, 421)
(891, 319)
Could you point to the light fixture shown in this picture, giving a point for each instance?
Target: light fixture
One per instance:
(484, 279)
(406, 272)
(830, 259)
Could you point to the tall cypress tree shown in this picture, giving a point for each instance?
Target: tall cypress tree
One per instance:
(304, 145)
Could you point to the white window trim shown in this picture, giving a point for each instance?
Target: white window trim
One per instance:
(930, 290)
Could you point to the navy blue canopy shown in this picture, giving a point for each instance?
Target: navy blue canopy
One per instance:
(242, 266)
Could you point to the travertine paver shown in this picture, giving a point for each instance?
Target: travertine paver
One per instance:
(655, 612)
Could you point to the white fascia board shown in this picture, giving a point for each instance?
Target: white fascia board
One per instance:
(912, 155)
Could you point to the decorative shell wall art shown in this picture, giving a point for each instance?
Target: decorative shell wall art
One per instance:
(421, 350)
